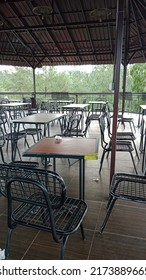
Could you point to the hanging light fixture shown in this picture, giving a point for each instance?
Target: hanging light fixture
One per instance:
(101, 13)
(43, 11)
(1, 23)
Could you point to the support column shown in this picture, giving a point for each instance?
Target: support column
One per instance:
(118, 58)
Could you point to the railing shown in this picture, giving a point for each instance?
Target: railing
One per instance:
(132, 100)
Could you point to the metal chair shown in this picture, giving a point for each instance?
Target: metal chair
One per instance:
(21, 163)
(98, 113)
(41, 204)
(125, 187)
(121, 146)
(73, 126)
(123, 120)
(123, 135)
(13, 137)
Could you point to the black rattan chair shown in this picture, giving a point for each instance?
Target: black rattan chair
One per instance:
(125, 187)
(37, 199)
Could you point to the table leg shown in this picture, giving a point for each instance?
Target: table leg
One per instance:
(144, 156)
(142, 135)
(82, 178)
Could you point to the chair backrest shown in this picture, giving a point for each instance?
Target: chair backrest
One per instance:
(4, 100)
(108, 119)
(103, 110)
(49, 180)
(102, 126)
(33, 196)
(2, 137)
(72, 125)
(60, 95)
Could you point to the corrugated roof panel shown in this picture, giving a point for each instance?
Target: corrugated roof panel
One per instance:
(73, 32)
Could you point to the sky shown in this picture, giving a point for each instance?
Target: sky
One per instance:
(84, 68)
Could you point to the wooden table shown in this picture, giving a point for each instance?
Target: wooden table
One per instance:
(76, 148)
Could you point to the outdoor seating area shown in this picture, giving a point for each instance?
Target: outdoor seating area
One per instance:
(73, 141)
(123, 236)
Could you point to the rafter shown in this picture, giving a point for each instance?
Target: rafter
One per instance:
(137, 27)
(58, 8)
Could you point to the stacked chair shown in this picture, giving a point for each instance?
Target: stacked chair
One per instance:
(123, 135)
(106, 143)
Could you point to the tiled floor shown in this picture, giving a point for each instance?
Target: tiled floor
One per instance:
(124, 236)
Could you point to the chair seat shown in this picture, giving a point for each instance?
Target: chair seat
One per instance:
(15, 136)
(66, 218)
(126, 119)
(128, 135)
(122, 146)
(33, 131)
(129, 186)
(129, 120)
(94, 116)
(29, 164)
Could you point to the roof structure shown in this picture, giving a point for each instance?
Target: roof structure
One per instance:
(69, 32)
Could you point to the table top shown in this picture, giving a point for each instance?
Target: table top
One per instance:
(143, 107)
(39, 118)
(97, 102)
(13, 104)
(59, 101)
(85, 148)
(144, 119)
(75, 106)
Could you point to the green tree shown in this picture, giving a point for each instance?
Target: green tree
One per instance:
(138, 74)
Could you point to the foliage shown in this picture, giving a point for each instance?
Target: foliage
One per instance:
(49, 79)
(138, 73)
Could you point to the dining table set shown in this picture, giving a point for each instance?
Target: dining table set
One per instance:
(47, 147)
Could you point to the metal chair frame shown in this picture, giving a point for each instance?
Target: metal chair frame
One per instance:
(121, 146)
(125, 187)
(121, 135)
(41, 204)
(21, 163)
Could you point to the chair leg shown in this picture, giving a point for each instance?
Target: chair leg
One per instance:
(132, 124)
(101, 161)
(63, 246)
(82, 231)
(7, 251)
(2, 155)
(136, 150)
(133, 162)
(109, 210)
